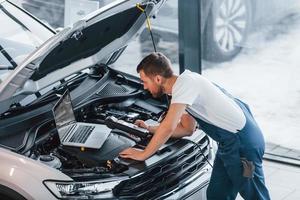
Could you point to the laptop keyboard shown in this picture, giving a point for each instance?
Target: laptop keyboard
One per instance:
(81, 134)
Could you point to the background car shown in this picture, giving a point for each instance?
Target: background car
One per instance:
(225, 26)
(38, 66)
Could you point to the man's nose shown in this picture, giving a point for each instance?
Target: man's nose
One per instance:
(145, 87)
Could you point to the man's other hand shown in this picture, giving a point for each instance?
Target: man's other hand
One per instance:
(141, 123)
(134, 154)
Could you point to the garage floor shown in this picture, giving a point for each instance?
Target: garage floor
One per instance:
(283, 181)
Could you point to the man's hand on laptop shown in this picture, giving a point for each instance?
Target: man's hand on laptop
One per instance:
(141, 123)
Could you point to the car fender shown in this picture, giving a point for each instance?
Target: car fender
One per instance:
(26, 176)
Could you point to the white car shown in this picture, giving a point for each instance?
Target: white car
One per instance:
(37, 66)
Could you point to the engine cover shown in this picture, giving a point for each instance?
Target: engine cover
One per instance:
(111, 148)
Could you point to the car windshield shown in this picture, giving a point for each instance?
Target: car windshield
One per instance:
(18, 39)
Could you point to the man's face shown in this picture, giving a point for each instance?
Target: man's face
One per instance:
(152, 84)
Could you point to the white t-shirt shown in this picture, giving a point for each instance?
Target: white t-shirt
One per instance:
(207, 102)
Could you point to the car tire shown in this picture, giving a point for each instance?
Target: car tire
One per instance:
(226, 29)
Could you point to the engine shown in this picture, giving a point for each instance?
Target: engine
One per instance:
(78, 162)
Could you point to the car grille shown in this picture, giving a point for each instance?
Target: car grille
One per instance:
(167, 175)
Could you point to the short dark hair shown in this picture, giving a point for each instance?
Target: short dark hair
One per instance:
(154, 64)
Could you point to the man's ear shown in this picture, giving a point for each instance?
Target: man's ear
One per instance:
(158, 79)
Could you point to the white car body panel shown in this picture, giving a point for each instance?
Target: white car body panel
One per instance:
(22, 174)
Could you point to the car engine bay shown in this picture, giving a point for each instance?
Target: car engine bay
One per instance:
(107, 95)
(75, 161)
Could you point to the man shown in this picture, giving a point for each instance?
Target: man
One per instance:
(227, 120)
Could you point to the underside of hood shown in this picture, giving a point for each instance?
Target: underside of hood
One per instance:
(86, 43)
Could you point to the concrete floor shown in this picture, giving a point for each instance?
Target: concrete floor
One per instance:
(283, 181)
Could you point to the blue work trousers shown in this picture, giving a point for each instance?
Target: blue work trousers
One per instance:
(227, 178)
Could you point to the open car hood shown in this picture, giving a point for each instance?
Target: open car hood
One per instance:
(87, 42)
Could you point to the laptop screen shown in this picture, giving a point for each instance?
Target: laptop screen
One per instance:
(63, 111)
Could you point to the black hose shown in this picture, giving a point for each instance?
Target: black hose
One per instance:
(201, 151)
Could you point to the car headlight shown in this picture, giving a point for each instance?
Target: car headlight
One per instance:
(84, 190)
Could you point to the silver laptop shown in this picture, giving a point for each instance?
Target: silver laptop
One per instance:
(72, 133)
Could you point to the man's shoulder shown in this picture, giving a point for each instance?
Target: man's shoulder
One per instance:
(188, 76)
(186, 81)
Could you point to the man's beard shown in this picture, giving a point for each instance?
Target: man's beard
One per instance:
(160, 92)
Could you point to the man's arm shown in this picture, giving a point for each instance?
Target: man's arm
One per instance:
(185, 127)
(162, 134)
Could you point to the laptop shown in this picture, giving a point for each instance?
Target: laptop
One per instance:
(77, 134)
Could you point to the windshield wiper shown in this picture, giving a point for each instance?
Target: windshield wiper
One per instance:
(3, 67)
(14, 110)
(8, 57)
